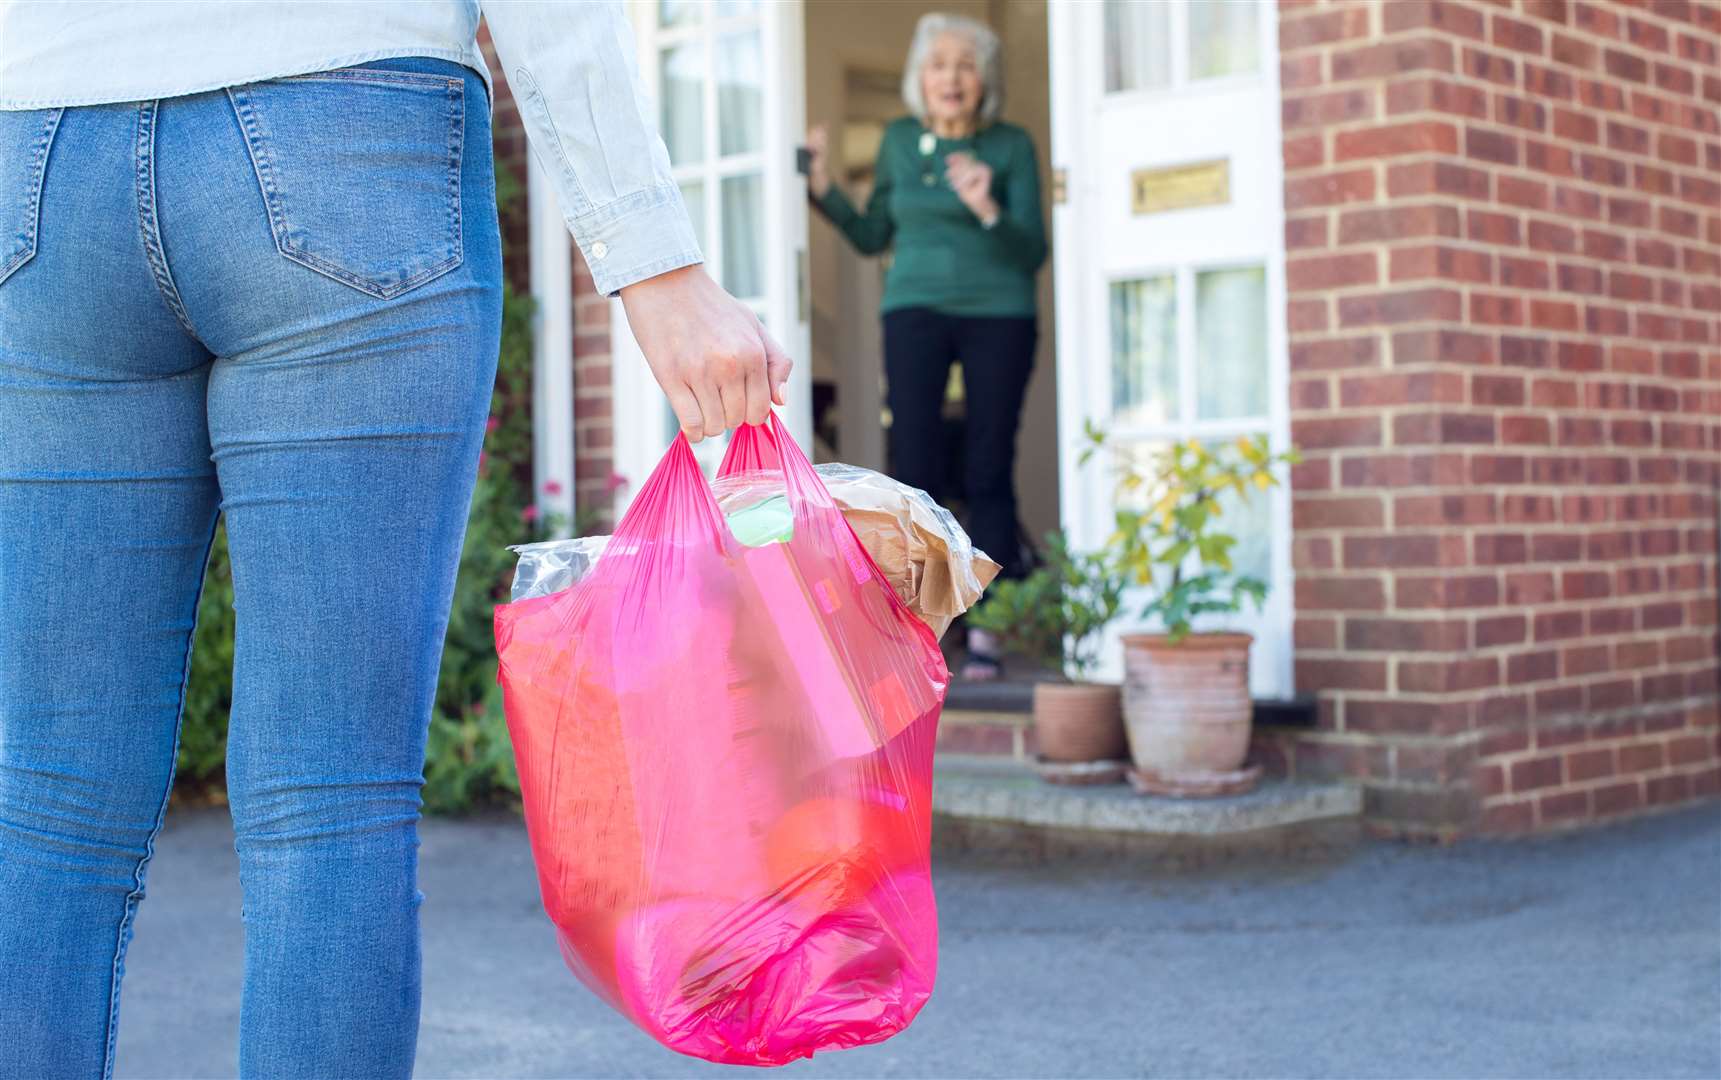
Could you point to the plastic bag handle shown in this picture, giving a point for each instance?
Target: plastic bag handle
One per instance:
(769, 447)
(675, 502)
(750, 450)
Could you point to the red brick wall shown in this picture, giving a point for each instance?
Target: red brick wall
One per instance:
(1503, 232)
(594, 441)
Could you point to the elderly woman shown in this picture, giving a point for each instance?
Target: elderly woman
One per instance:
(956, 194)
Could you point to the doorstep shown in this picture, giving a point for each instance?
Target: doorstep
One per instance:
(997, 805)
(996, 718)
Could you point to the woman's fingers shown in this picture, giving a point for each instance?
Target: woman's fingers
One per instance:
(707, 350)
(777, 368)
(733, 393)
(687, 411)
(710, 398)
(758, 394)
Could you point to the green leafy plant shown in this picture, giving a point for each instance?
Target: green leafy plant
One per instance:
(1055, 613)
(469, 760)
(202, 762)
(1166, 536)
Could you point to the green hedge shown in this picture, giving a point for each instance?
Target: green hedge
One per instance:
(470, 762)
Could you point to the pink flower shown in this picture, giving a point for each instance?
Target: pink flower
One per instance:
(616, 482)
(482, 457)
(492, 424)
(529, 514)
(552, 487)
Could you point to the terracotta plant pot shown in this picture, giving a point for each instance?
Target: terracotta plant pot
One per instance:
(1079, 722)
(1188, 713)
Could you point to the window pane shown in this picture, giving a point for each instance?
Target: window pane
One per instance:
(1231, 343)
(683, 91)
(743, 274)
(727, 9)
(1137, 44)
(1144, 351)
(1250, 521)
(1222, 38)
(740, 70)
(1144, 458)
(693, 194)
(678, 12)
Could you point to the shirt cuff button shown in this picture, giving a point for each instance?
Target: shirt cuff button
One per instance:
(600, 249)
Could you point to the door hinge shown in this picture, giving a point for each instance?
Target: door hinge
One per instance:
(1060, 186)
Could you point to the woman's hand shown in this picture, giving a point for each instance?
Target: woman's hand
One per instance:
(971, 178)
(707, 350)
(819, 171)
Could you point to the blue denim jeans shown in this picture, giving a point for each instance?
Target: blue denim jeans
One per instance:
(281, 304)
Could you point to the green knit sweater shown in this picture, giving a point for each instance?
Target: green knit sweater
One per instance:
(944, 259)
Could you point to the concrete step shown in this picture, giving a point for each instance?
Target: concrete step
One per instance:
(997, 805)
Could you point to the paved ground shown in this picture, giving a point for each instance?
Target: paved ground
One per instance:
(1596, 955)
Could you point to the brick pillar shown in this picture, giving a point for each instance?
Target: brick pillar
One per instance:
(1503, 233)
(594, 443)
(594, 400)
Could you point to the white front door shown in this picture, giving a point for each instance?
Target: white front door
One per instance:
(726, 78)
(1171, 321)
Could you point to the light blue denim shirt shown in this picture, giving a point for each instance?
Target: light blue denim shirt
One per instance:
(570, 64)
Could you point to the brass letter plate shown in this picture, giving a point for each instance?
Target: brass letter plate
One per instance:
(1179, 187)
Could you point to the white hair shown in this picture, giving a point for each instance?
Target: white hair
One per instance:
(986, 54)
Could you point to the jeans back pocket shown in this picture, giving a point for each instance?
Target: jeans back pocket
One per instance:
(25, 138)
(359, 170)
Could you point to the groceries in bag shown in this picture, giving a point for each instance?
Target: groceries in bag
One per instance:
(725, 755)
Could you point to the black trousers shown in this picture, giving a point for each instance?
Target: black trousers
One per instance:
(997, 355)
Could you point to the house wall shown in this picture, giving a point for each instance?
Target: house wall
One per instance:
(1504, 264)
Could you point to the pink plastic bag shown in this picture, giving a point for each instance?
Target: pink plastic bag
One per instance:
(725, 754)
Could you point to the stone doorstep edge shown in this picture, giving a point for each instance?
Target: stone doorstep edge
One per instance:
(1276, 803)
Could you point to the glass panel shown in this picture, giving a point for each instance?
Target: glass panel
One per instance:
(1137, 44)
(1231, 343)
(1251, 522)
(678, 12)
(743, 272)
(728, 9)
(740, 76)
(1222, 38)
(693, 194)
(683, 91)
(1144, 351)
(1141, 456)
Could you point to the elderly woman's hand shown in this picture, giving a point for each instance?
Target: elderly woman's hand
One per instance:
(972, 180)
(707, 350)
(819, 169)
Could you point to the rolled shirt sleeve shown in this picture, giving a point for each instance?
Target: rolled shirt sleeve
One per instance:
(573, 72)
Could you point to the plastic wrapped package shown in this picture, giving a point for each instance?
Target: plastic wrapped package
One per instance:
(917, 544)
(725, 755)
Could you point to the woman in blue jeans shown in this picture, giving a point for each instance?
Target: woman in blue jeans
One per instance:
(250, 268)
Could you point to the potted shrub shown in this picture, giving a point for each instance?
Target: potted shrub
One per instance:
(1055, 615)
(1186, 701)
